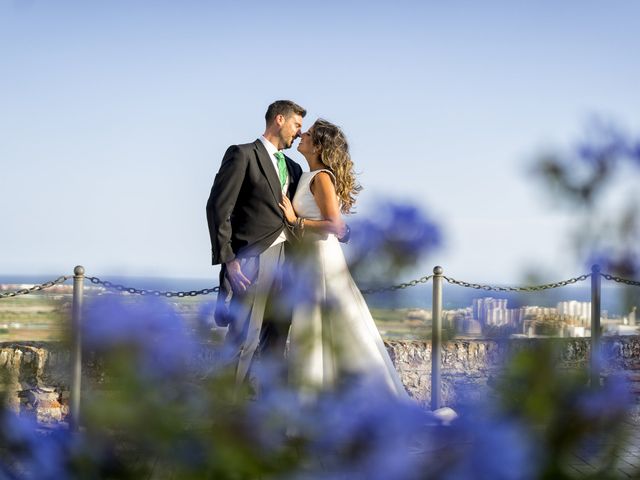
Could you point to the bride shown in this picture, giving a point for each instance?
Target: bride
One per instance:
(333, 338)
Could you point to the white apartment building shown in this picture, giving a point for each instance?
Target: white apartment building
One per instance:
(580, 311)
(494, 311)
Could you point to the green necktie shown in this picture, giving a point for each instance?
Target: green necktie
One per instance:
(282, 168)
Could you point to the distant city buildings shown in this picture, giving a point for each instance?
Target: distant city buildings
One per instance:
(490, 316)
(580, 311)
(631, 318)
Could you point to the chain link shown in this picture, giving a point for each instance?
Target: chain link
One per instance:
(35, 288)
(535, 288)
(206, 291)
(157, 293)
(626, 281)
(400, 286)
(392, 288)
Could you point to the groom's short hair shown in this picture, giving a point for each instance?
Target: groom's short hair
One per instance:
(285, 108)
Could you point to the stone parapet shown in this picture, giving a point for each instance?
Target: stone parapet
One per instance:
(36, 375)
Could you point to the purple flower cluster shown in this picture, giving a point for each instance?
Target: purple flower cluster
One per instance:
(584, 178)
(482, 445)
(608, 144)
(357, 431)
(394, 237)
(147, 326)
(364, 433)
(37, 455)
(402, 228)
(29, 451)
(615, 261)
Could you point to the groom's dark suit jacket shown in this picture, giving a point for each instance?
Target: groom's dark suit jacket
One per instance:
(242, 212)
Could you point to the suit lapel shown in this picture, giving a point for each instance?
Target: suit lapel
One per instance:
(293, 178)
(266, 165)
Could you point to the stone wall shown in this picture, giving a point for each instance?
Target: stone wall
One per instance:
(35, 378)
(470, 366)
(37, 375)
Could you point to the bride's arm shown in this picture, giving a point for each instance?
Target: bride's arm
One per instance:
(324, 193)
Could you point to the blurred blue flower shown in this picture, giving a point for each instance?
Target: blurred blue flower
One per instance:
(605, 144)
(19, 430)
(401, 227)
(635, 152)
(300, 282)
(36, 455)
(394, 237)
(409, 228)
(483, 444)
(625, 263)
(149, 326)
(205, 317)
(363, 432)
(612, 400)
(366, 235)
(278, 409)
(601, 258)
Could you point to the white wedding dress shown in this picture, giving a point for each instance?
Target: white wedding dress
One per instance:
(333, 338)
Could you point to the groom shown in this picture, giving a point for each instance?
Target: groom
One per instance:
(248, 236)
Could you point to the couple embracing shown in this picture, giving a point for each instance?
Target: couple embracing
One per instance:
(275, 231)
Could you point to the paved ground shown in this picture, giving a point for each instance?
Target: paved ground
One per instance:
(627, 464)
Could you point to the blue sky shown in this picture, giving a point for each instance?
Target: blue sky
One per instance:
(115, 115)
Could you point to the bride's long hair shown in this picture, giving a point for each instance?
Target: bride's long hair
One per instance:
(334, 154)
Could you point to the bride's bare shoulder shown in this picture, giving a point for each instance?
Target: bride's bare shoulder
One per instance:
(324, 181)
(324, 176)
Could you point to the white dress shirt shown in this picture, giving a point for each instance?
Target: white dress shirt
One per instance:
(271, 149)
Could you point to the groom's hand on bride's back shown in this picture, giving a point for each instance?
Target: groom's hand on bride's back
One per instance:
(239, 283)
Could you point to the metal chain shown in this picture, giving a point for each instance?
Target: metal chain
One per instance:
(157, 293)
(626, 281)
(392, 288)
(206, 291)
(400, 286)
(35, 288)
(535, 288)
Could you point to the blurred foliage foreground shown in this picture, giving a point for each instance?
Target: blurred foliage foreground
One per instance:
(157, 415)
(596, 182)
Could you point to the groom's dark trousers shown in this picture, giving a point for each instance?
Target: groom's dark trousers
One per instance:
(244, 222)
